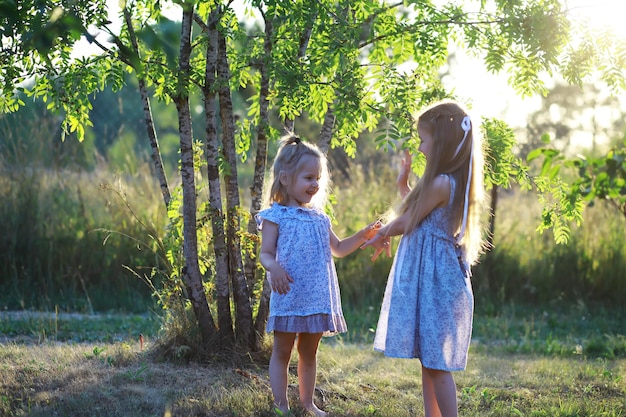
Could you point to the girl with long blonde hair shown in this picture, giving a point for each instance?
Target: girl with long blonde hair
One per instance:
(427, 308)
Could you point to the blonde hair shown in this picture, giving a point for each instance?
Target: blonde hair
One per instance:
(291, 152)
(443, 122)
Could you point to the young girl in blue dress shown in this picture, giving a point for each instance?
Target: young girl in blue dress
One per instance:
(428, 304)
(297, 249)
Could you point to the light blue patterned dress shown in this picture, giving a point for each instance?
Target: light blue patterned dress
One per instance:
(428, 304)
(313, 305)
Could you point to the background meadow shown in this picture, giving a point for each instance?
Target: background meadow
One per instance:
(71, 235)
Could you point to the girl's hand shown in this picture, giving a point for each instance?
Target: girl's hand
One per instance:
(371, 229)
(279, 280)
(380, 243)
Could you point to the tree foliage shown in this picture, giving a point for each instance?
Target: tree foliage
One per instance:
(350, 66)
(598, 178)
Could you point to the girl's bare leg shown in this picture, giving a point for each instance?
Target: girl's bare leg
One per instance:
(307, 370)
(439, 393)
(431, 408)
(279, 368)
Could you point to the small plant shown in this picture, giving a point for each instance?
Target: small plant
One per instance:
(468, 392)
(136, 375)
(98, 353)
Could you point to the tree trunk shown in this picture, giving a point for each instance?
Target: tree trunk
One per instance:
(492, 218)
(256, 191)
(222, 285)
(326, 132)
(191, 271)
(244, 328)
(264, 301)
(147, 111)
(289, 124)
(492, 230)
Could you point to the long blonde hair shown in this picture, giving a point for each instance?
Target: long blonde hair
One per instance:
(444, 122)
(291, 152)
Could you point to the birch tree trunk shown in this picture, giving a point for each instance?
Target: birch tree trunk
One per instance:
(485, 282)
(289, 124)
(264, 301)
(326, 133)
(222, 286)
(260, 163)
(191, 271)
(256, 190)
(149, 120)
(244, 329)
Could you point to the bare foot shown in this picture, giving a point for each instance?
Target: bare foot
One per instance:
(280, 411)
(316, 411)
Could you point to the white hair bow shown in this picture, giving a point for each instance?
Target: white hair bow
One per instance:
(466, 125)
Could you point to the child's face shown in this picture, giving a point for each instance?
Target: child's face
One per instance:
(426, 141)
(305, 184)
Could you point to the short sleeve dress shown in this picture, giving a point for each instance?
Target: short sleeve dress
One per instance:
(428, 304)
(313, 304)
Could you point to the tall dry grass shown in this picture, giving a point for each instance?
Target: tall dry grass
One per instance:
(67, 237)
(70, 238)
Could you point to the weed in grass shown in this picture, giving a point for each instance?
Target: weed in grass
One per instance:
(136, 375)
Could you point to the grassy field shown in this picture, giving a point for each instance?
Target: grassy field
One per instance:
(523, 362)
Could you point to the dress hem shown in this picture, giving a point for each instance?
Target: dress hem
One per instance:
(327, 324)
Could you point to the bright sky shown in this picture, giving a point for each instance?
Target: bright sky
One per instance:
(490, 94)
(602, 13)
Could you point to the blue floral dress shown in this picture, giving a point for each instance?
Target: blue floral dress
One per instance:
(313, 305)
(428, 304)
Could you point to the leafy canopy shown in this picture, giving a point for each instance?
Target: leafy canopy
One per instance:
(369, 64)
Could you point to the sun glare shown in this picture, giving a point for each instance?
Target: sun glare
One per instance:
(600, 14)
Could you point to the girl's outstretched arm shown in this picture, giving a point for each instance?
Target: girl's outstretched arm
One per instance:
(344, 247)
(403, 176)
(436, 195)
(381, 242)
(278, 278)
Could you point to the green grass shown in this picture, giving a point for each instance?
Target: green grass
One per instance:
(77, 328)
(94, 366)
(554, 330)
(558, 330)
